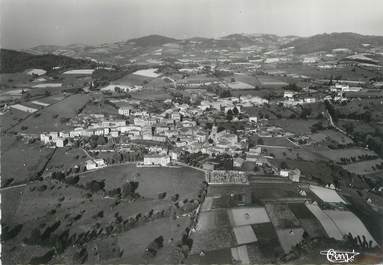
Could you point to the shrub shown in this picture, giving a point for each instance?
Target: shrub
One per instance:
(44, 259)
(162, 195)
(11, 233)
(42, 188)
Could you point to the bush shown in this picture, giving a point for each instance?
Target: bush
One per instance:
(11, 233)
(43, 259)
(42, 188)
(162, 195)
(95, 186)
(49, 230)
(8, 181)
(175, 197)
(72, 180)
(80, 257)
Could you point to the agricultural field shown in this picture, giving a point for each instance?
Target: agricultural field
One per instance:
(277, 141)
(268, 241)
(134, 80)
(151, 72)
(263, 93)
(21, 160)
(184, 181)
(53, 117)
(79, 209)
(220, 256)
(291, 153)
(358, 108)
(66, 158)
(12, 117)
(347, 155)
(134, 242)
(328, 225)
(249, 79)
(151, 94)
(296, 126)
(307, 220)
(322, 172)
(365, 167)
(14, 80)
(272, 191)
(213, 239)
(347, 222)
(248, 216)
(272, 112)
(270, 82)
(212, 219)
(99, 108)
(326, 195)
(331, 137)
(281, 216)
(289, 238)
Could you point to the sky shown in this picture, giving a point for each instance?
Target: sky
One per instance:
(28, 23)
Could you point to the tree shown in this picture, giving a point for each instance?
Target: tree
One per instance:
(11, 233)
(229, 115)
(44, 259)
(305, 113)
(260, 141)
(235, 111)
(95, 186)
(101, 140)
(283, 165)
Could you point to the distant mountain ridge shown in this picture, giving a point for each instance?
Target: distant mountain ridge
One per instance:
(152, 40)
(327, 42)
(123, 52)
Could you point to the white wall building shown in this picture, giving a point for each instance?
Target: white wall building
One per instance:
(94, 164)
(162, 160)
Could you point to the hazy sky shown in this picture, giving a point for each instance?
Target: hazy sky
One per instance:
(27, 23)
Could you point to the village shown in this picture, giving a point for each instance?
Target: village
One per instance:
(194, 152)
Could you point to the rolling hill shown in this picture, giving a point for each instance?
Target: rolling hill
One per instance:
(327, 42)
(151, 41)
(16, 61)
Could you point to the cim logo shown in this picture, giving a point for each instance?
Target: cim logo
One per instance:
(338, 256)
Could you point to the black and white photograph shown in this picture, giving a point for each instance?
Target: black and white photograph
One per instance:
(191, 132)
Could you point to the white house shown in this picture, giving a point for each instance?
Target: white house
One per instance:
(238, 162)
(61, 142)
(44, 138)
(288, 94)
(124, 111)
(293, 174)
(284, 173)
(309, 100)
(95, 163)
(162, 160)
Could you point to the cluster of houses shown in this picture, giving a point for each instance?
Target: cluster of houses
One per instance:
(292, 98)
(340, 89)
